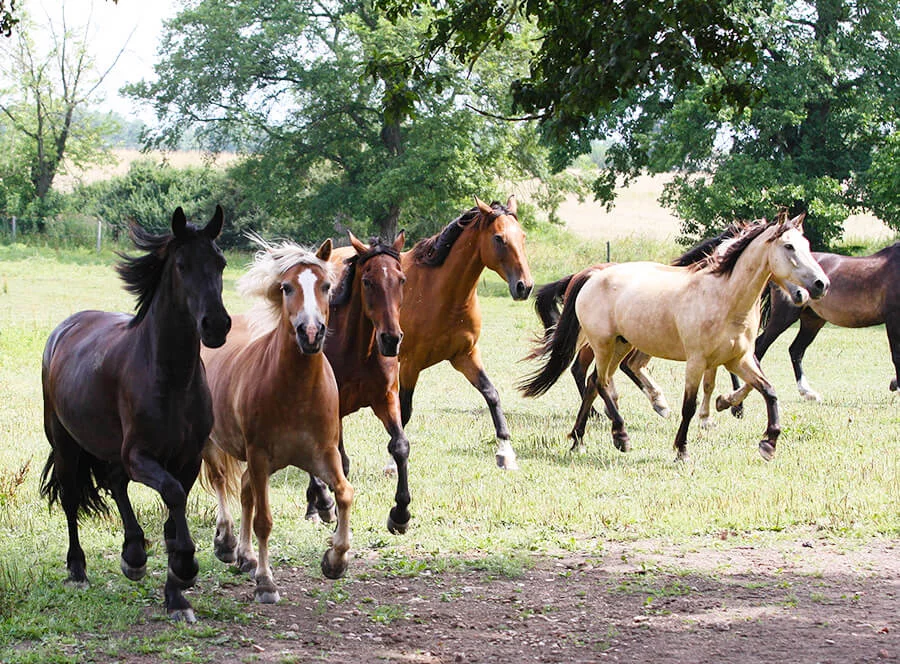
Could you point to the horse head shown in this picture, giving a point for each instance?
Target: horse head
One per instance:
(381, 279)
(502, 246)
(197, 271)
(305, 287)
(792, 263)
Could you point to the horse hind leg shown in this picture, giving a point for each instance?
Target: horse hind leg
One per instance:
(892, 326)
(709, 385)
(319, 504)
(810, 324)
(748, 368)
(634, 366)
(216, 470)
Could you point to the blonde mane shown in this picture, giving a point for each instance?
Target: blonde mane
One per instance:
(263, 279)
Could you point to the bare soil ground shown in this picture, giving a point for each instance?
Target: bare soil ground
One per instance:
(810, 600)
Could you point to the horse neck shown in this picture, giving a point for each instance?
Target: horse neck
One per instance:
(464, 266)
(173, 334)
(751, 273)
(353, 331)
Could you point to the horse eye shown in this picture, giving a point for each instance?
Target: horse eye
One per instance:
(286, 288)
(402, 280)
(789, 246)
(367, 282)
(498, 240)
(326, 287)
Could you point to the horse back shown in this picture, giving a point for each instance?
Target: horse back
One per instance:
(864, 289)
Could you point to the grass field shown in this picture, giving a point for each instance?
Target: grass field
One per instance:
(837, 473)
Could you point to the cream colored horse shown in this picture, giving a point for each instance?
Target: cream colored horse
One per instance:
(704, 315)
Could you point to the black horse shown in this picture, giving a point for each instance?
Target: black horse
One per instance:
(126, 398)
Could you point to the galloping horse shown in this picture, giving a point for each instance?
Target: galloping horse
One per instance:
(705, 315)
(276, 404)
(864, 291)
(126, 398)
(362, 344)
(441, 317)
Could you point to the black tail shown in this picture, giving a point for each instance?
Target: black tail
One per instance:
(765, 311)
(559, 347)
(548, 300)
(89, 475)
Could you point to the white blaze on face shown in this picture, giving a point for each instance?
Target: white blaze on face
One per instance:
(307, 280)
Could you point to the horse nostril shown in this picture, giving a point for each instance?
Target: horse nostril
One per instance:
(820, 285)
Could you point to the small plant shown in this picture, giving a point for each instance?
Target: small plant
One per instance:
(11, 482)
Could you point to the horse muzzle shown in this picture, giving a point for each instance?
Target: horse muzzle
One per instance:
(819, 287)
(311, 338)
(389, 344)
(519, 289)
(214, 329)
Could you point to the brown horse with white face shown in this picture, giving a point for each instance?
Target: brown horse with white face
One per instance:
(276, 404)
(705, 315)
(441, 317)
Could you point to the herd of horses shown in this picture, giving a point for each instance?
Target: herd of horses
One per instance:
(181, 385)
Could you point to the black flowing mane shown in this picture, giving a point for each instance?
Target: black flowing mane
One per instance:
(706, 247)
(377, 247)
(724, 263)
(433, 251)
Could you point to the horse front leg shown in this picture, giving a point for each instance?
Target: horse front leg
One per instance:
(388, 412)
(335, 560)
(748, 368)
(810, 324)
(258, 471)
(892, 327)
(183, 567)
(709, 385)
(471, 367)
(693, 374)
(133, 561)
(245, 558)
(634, 366)
(319, 504)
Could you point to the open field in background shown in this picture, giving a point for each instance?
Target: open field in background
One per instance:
(811, 535)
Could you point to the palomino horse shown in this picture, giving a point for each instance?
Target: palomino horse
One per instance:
(276, 404)
(441, 317)
(705, 315)
(126, 398)
(362, 344)
(864, 291)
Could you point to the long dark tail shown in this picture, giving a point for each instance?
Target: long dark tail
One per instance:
(90, 475)
(765, 307)
(548, 300)
(558, 349)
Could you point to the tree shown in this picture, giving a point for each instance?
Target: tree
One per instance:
(284, 79)
(758, 103)
(45, 105)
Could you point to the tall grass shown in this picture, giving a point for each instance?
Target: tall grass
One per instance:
(836, 473)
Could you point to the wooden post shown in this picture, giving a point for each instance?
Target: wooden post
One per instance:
(14, 228)
(607, 252)
(99, 234)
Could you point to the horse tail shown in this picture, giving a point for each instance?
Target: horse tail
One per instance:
(765, 307)
(220, 469)
(559, 347)
(90, 476)
(548, 300)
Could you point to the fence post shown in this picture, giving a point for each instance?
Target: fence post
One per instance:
(99, 234)
(607, 252)
(14, 228)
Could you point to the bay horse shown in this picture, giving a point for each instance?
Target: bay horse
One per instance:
(865, 291)
(276, 404)
(705, 315)
(441, 316)
(362, 346)
(126, 398)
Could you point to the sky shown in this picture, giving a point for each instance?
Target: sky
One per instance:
(111, 24)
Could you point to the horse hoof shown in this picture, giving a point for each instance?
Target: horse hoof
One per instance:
(328, 515)
(81, 584)
(333, 570)
(225, 555)
(395, 528)
(811, 396)
(662, 410)
(766, 450)
(893, 385)
(507, 462)
(247, 566)
(132, 573)
(622, 443)
(266, 596)
(390, 469)
(183, 615)
(721, 403)
(682, 457)
(737, 411)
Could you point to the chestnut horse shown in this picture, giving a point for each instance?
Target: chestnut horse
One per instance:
(276, 404)
(705, 315)
(362, 344)
(126, 398)
(864, 291)
(441, 317)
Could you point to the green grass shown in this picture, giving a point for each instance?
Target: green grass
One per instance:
(837, 471)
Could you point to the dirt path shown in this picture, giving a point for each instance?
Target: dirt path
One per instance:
(651, 602)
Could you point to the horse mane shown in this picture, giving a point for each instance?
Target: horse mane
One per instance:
(723, 262)
(708, 246)
(344, 290)
(143, 274)
(433, 251)
(263, 279)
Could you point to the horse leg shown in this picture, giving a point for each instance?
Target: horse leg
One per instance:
(694, 372)
(605, 359)
(892, 327)
(328, 467)
(737, 410)
(183, 568)
(224, 541)
(733, 400)
(406, 390)
(747, 367)
(319, 505)
(810, 324)
(246, 559)
(709, 385)
(588, 395)
(470, 366)
(579, 371)
(134, 553)
(634, 366)
(258, 470)
(388, 411)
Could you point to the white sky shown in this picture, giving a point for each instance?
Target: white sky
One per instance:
(111, 26)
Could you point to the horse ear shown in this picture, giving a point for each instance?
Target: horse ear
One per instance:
(359, 246)
(179, 222)
(214, 227)
(484, 207)
(399, 240)
(797, 222)
(324, 252)
(511, 204)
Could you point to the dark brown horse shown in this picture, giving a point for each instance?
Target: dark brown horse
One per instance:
(363, 341)
(864, 291)
(126, 398)
(276, 404)
(441, 317)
